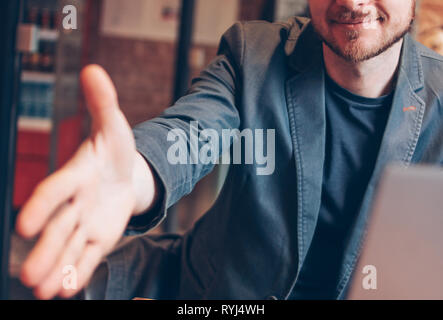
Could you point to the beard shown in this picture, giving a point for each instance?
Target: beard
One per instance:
(353, 51)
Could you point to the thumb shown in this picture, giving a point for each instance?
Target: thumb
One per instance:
(101, 97)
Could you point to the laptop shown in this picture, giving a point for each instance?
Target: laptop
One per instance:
(402, 257)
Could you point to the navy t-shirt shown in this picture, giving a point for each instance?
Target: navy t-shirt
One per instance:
(354, 129)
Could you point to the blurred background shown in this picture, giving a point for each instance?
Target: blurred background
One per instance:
(429, 28)
(150, 48)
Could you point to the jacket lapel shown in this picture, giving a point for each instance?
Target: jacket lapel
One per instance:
(306, 107)
(398, 144)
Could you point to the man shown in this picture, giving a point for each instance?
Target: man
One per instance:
(347, 93)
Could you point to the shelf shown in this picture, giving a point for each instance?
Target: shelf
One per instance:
(48, 35)
(38, 77)
(34, 124)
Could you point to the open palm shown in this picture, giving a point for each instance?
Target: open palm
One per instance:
(81, 211)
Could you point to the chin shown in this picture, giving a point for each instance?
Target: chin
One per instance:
(356, 50)
(360, 46)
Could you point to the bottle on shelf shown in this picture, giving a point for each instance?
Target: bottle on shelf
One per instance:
(46, 19)
(37, 87)
(43, 59)
(29, 60)
(47, 56)
(33, 16)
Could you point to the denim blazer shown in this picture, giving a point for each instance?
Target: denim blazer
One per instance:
(253, 241)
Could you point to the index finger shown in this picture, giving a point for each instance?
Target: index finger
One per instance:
(50, 194)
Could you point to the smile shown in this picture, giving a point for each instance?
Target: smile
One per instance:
(364, 23)
(357, 21)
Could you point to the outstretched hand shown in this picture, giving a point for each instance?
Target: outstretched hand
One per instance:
(80, 212)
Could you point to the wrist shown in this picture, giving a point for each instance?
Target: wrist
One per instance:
(144, 185)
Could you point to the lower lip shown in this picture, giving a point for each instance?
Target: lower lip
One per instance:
(350, 26)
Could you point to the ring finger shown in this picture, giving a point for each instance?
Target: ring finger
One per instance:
(64, 270)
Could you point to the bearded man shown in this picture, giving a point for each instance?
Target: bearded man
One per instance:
(347, 92)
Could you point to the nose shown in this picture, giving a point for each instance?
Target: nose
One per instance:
(352, 4)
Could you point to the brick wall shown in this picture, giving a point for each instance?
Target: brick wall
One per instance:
(142, 70)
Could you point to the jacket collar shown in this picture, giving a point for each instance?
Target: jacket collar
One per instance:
(303, 46)
(411, 64)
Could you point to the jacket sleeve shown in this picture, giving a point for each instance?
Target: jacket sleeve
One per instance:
(212, 101)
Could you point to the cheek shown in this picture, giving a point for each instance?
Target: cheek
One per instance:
(315, 5)
(400, 11)
(318, 9)
(397, 24)
(318, 16)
